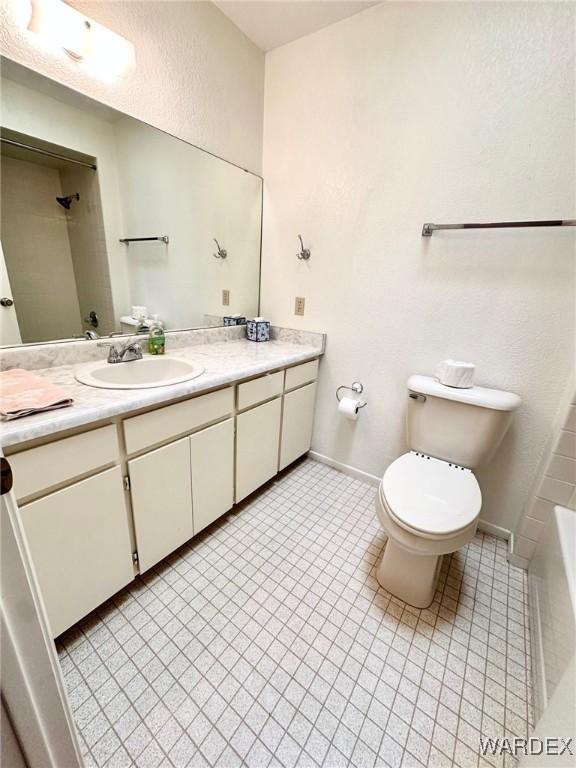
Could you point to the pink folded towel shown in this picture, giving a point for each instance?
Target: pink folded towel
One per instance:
(23, 393)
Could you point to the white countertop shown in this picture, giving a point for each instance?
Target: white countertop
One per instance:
(224, 362)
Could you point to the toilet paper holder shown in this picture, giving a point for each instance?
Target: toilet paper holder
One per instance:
(356, 387)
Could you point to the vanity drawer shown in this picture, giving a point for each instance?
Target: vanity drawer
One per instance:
(260, 389)
(174, 420)
(301, 374)
(39, 469)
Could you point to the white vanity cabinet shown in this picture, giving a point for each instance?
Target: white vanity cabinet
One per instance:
(271, 435)
(104, 504)
(78, 535)
(212, 467)
(179, 488)
(258, 431)
(257, 439)
(80, 546)
(161, 492)
(297, 422)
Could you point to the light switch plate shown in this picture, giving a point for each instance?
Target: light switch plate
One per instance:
(299, 304)
(226, 297)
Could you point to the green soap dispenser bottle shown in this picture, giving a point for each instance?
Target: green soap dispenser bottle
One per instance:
(156, 337)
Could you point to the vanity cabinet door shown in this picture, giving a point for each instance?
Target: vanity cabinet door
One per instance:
(297, 421)
(257, 443)
(212, 462)
(161, 501)
(80, 546)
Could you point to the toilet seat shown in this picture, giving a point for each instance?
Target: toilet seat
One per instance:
(430, 496)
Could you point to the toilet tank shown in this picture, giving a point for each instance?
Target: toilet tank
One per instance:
(462, 426)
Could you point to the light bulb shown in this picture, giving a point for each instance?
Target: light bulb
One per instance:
(61, 27)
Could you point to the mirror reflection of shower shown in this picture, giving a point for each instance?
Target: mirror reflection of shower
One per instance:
(53, 240)
(66, 201)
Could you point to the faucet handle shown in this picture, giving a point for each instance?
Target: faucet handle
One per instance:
(113, 354)
(131, 346)
(123, 354)
(130, 351)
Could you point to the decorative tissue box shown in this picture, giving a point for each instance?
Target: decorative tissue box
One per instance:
(234, 320)
(258, 330)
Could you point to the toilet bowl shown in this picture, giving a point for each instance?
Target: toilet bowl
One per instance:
(427, 508)
(429, 500)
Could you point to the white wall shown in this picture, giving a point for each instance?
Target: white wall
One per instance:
(88, 247)
(36, 246)
(169, 187)
(36, 114)
(415, 112)
(151, 184)
(197, 76)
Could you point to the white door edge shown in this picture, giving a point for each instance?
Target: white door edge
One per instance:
(33, 690)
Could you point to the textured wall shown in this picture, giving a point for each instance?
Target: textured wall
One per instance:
(151, 182)
(197, 76)
(88, 247)
(408, 113)
(34, 113)
(193, 197)
(37, 250)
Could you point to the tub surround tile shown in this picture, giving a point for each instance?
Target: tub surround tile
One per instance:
(540, 509)
(562, 468)
(557, 485)
(556, 491)
(518, 562)
(524, 547)
(566, 445)
(225, 362)
(531, 528)
(571, 419)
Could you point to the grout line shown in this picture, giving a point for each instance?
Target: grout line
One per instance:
(299, 564)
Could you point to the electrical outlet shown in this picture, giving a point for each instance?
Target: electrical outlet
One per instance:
(226, 298)
(299, 305)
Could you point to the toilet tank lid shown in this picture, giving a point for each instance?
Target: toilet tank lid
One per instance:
(496, 399)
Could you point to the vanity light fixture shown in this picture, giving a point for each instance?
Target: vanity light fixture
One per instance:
(304, 254)
(100, 50)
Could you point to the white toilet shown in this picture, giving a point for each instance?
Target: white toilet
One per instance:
(429, 500)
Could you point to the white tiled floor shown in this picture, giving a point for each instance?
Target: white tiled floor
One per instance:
(267, 642)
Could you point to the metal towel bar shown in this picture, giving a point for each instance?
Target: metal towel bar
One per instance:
(160, 238)
(429, 228)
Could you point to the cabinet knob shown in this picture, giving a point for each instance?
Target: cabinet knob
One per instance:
(5, 476)
(6, 302)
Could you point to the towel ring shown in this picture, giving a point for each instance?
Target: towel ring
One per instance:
(356, 387)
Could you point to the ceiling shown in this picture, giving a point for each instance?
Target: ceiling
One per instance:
(271, 23)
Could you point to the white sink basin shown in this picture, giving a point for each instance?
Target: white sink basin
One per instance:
(138, 374)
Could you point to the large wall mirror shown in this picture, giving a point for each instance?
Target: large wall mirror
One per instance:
(107, 222)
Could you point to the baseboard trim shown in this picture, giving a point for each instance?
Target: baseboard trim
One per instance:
(359, 474)
(494, 530)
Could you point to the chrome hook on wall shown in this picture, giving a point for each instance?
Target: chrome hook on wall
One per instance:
(304, 254)
(222, 252)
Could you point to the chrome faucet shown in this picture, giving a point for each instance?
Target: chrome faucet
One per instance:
(124, 354)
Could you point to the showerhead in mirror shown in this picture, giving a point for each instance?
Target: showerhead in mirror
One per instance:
(66, 201)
